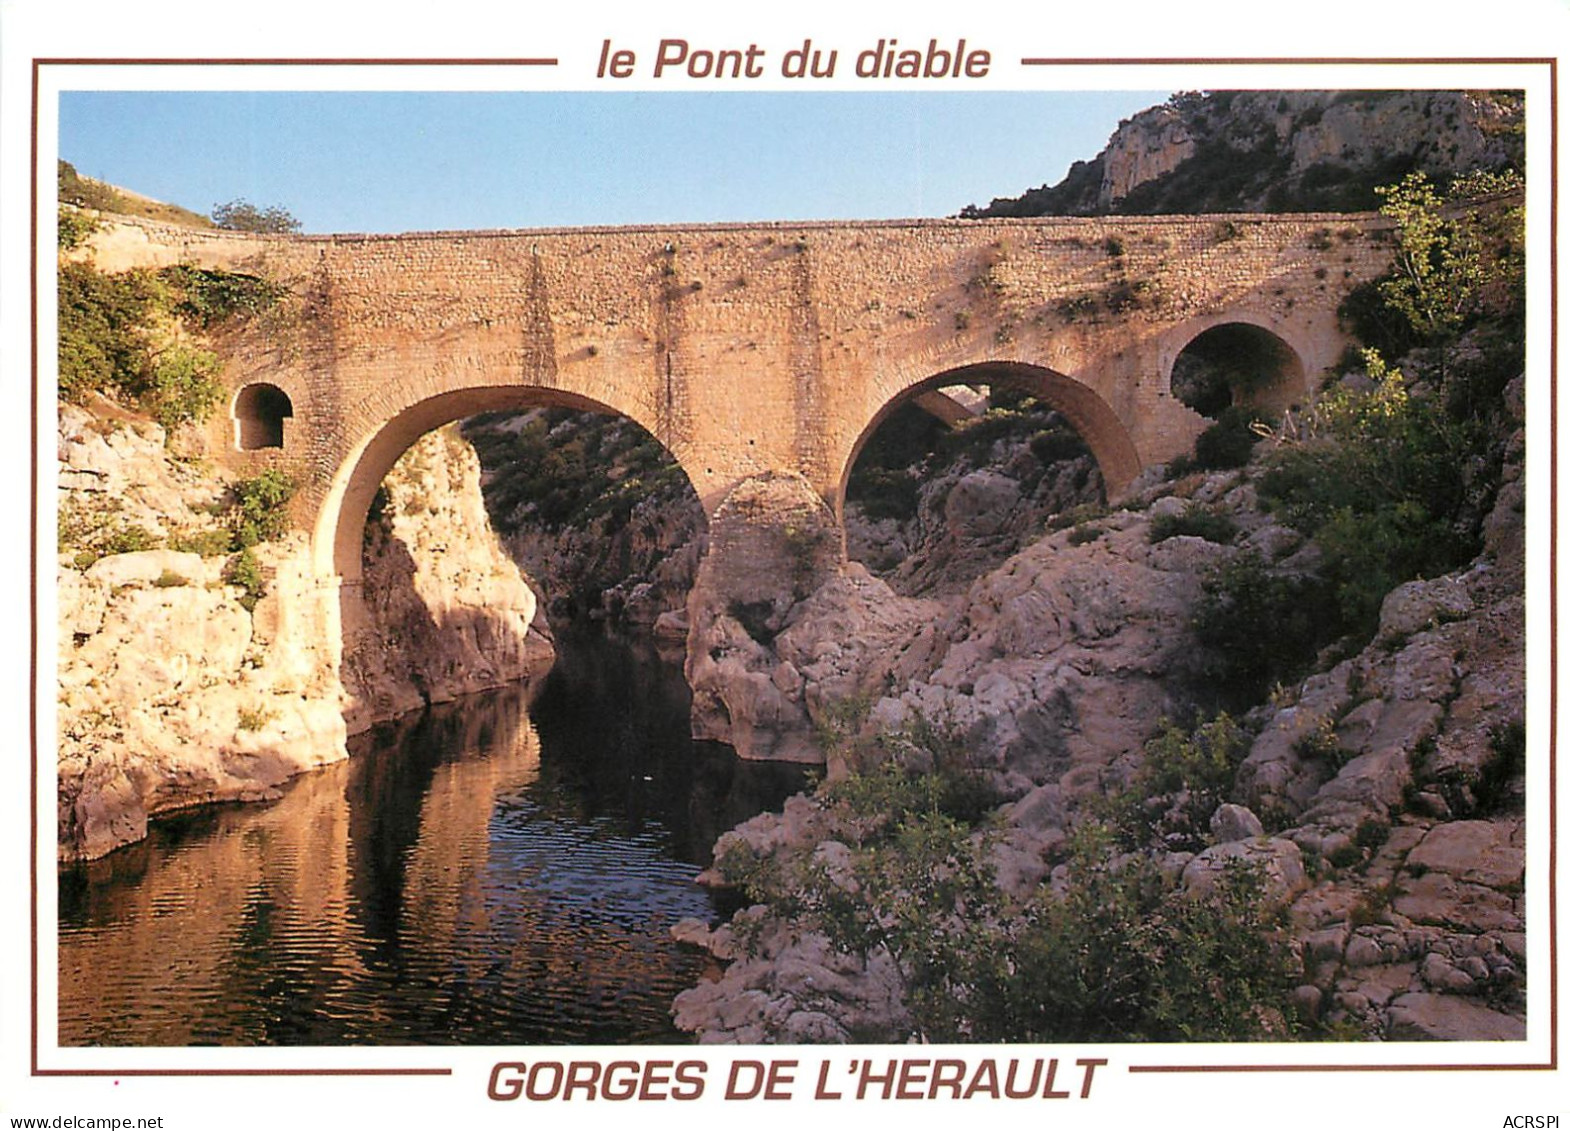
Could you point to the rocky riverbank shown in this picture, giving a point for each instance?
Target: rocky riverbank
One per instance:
(184, 681)
(1382, 797)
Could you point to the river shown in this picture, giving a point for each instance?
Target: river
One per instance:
(503, 870)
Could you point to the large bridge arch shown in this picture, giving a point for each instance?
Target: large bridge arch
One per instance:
(1095, 421)
(340, 522)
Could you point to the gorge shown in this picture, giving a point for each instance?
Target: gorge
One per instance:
(1039, 607)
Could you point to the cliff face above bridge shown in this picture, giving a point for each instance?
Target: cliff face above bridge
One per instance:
(1281, 151)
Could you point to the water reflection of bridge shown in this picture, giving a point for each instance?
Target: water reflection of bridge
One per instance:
(416, 897)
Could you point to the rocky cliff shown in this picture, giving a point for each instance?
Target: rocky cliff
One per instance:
(1281, 151)
(182, 681)
(450, 613)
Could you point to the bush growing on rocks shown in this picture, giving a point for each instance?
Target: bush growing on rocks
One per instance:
(1380, 484)
(1184, 777)
(259, 513)
(1229, 442)
(1195, 521)
(1261, 626)
(1117, 951)
(120, 336)
(902, 866)
(184, 386)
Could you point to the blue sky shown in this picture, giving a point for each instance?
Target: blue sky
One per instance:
(391, 162)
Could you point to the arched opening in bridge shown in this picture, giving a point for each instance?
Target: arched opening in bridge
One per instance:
(1237, 363)
(584, 517)
(595, 510)
(259, 412)
(617, 777)
(957, 472)
(593, 507)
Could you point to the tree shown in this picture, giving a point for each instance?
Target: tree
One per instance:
(243, 216)
(260, 511)
(1444, 265)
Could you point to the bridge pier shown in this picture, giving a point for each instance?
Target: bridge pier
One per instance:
(772, 543)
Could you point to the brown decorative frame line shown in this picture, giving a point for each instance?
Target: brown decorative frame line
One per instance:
(1551, 63)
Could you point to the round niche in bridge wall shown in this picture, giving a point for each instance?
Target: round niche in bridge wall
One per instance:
(259, 413)
(1237, 363)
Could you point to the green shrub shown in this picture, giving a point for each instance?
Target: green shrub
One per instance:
(883, 493)
(1322, 745)
(73, 228)
(1492, 792)
(921, 767)
(207, 543)
(1129, 954)
(1122, 953)
(1446, 263)
(245, 572)
(113, 342)
(209, 298)
(1184, 776)
(1078, 516)
(1371, 834)
(260, 512)
(103, 332)
(93, 528)
(1056, 445)
(1260, 626)
(255, 718)
(1195, 521)
(1346, 856)
(1382, 486)
(1227, 443)
(184, 387)
(129, 540)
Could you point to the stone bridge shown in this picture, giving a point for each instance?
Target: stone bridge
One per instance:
(753, 350)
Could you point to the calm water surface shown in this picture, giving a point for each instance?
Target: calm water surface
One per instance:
(474, 875)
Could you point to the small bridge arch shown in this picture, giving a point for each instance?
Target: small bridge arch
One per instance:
(1235, 357)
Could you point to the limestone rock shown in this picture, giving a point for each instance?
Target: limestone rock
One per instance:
(1061, 658)
(1491, 853)
(1234, 822)
(1421, 605)
(1279, 860)
(1443, 1017)
(174, 689)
